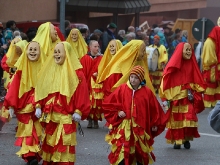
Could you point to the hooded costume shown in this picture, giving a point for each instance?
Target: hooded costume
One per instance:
(78, 43)
(20, 97)
(211, 67)
(131, 137)
(61, 92)
(181, 83)
(118, 69)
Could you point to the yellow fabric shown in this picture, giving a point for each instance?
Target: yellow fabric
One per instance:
(80, 45)
(11, 47)
(208, 54)
(43, 37)
(6, 78)
(13, 58)
(163, 56)
(124, 60)
(106, 59)
(58, 78)
(29, 69)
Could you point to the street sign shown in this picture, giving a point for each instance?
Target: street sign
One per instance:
(199, 32)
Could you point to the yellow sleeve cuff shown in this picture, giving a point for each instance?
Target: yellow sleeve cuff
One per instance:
(79, 112)
(37, 106)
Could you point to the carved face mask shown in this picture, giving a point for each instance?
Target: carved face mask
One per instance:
(74, 35)
(53, 33)
(187, 51)
(142, 52)
(59, 54)
(33, 51)
(112, 47)
(18, 50)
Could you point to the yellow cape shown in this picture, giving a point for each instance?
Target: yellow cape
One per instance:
(80, 45)
(106, 59)
(124, 60)
(29, 70)
(11, 47)
(13, 57)
(43, 37)
(58, 78)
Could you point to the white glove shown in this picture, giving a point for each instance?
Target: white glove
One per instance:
(38, 112)
(165, 103)
(76, 117)
(11, 112)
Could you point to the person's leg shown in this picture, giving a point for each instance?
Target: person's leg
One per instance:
(139, 163)
(122, 162)
(96, 124)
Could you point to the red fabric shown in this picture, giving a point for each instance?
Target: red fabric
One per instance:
(215, 35)
(147, 111)
(4, 65)
(12, 99)
(60, 35)
(90, 66)
(179, 71)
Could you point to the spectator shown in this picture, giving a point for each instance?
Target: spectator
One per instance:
(67, 28)
(128, 37)
(131, 29)
(138, 33)
(176, 41)
(85, 34)
(3, 45)
(8, 33)
(154, 31)
(121, 35)
(184, 35)
(108, 35)
(31, 33)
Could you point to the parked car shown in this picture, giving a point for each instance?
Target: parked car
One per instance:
(24, 26)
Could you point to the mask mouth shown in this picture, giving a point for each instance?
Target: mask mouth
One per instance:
(57, 58)
(32, 55)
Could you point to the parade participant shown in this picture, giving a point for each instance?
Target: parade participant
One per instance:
(156, 76)
(90, 63)
(136, 118)
(62, 99)
(111, 50)
(211, 67)
(118, 69)
(15, 52)
(77, 41)
(47, 37)
(8, 71)
(181, 86)
(19, 99)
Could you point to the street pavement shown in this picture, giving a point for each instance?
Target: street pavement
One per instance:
(93, 150)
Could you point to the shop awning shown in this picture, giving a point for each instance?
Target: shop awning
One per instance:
(110, 6)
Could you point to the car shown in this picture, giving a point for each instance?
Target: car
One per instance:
(25, 26)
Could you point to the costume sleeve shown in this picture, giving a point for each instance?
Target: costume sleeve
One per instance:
(157, 115)
(4, 65)
(80, 100)
(111, 105)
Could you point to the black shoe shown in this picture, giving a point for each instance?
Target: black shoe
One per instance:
(33, 162)
(176, 146)
(187, 145)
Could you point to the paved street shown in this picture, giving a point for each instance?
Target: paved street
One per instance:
(92, 149)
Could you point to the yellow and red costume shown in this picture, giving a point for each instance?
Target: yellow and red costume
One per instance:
(90, 66)
(104, 62)
(180, 77)
(78, 44)
(20, 96)
(211, 67)
(131, 137)
(156, 76)
(60, 92)
(118, 69)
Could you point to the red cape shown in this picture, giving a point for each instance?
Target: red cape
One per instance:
(180, 71)
(215, 35)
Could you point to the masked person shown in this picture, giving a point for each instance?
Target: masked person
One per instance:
(136, 118)
(19, 100)
(47, 37)
(77, 41)
(156, 76)
(90, 63)
(111, 50)
(118, 69)
(61, 101)
(211, 67)
(181, 86)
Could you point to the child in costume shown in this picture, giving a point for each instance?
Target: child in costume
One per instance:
(181, 86)
(19, 100)
(62, 99)
(136, 118)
